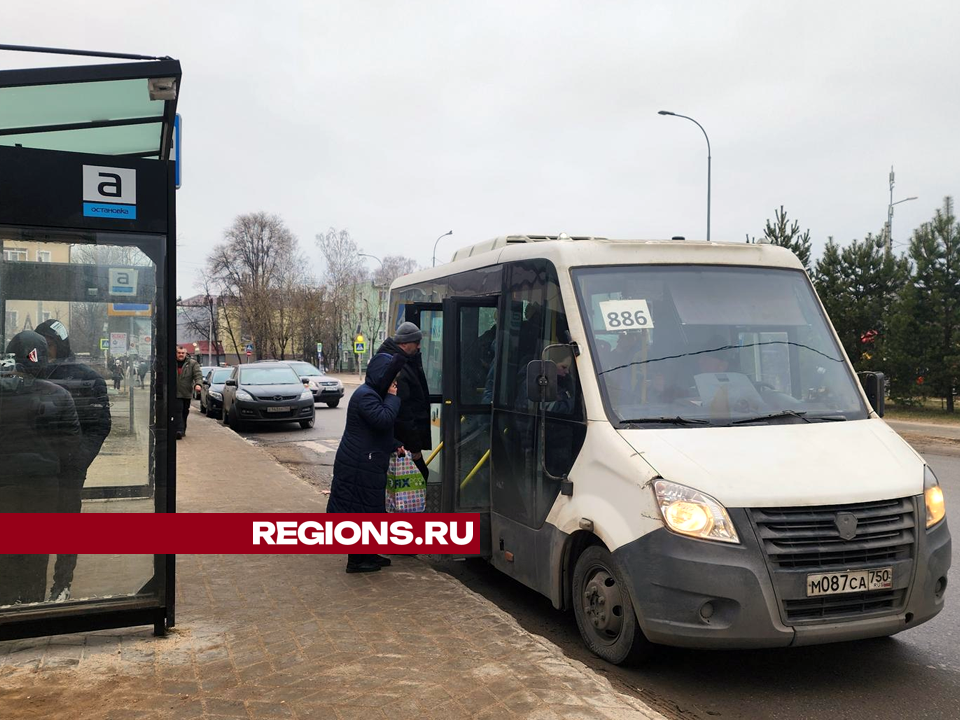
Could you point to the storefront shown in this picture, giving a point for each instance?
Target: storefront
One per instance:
(87, 316)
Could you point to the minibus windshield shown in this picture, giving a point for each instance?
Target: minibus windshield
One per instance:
(695, 346)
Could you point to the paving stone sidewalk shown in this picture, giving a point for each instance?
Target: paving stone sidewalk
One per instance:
(293, 636)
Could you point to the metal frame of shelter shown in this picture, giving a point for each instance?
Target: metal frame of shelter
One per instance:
(55, 123)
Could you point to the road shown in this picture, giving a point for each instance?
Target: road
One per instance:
(307, 453)
(913, 675)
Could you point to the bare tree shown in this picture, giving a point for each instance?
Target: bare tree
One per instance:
(344, 270)
(394, 266)
(200, 316)
(310, 320)
(253, 266)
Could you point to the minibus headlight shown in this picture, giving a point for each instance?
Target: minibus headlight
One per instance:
(689, 512)
(933, 497)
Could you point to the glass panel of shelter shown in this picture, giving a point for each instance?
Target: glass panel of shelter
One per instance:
(77, 400)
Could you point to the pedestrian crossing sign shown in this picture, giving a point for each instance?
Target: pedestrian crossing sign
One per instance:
(359, 348)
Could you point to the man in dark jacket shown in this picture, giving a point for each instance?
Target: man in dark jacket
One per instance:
(413, 422)
(39, 435)
(363, 457)
(89, 392)
(189, 378)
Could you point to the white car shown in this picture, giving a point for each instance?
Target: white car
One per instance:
(325, 389)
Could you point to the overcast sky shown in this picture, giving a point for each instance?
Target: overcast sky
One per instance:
(402, 120)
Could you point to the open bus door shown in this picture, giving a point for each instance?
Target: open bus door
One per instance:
(429, 318)
(469, 352)
(458, 336)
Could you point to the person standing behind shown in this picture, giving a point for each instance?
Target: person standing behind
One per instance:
(360, 468)
(89, 392)
(413, 422)
(39, 433)
(189, 378)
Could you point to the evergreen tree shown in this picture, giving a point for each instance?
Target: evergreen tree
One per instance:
(859, 285)
(905, 363)
(786, 234)
(933, 301)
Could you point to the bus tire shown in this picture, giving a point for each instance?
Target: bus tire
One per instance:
(604, 611)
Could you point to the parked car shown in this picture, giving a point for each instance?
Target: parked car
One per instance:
(211, 392)
(266, 392)
(204, 369)
(325, 389)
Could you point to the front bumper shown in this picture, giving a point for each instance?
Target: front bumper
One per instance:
(258, 410)
(324, 394)
(671, 578)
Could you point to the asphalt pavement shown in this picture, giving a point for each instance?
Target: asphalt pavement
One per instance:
(915, 674)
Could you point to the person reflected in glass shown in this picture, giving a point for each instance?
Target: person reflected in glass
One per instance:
(39, 442)
(89, 392)
(117, 374)
(363, 457)
(566, 389)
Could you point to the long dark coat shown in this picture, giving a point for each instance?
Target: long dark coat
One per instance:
(360, 467)
(413, 422)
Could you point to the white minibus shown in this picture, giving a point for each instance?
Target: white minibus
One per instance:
(668, 438)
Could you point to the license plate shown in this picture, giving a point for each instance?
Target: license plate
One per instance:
(285, 408)
(849, 582)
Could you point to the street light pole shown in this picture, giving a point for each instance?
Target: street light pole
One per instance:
(380, 289)
(709, 159)
(210, 335)
(435, 246)
(374, 257)
(888, 245)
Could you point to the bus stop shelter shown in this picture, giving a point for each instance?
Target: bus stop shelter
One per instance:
(88, 229)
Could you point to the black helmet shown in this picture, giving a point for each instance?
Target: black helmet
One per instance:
(56, 334)
(30, 350)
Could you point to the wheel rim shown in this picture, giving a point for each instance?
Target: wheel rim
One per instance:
(602, 603)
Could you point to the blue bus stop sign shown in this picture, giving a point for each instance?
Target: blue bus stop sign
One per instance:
(177, 127)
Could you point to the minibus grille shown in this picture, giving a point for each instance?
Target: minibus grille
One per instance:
(840, 606)
(808, 538)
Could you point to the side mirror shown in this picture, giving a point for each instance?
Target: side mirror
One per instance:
(541, 381)
(874, 384)
(231, 383)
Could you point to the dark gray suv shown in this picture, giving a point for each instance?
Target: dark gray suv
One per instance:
(266, 392)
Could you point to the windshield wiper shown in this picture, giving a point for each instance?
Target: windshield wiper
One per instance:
(773, 416)
(665, 421)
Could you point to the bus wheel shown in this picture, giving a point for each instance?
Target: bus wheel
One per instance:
(601, 602)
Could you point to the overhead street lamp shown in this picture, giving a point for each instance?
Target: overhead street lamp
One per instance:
(889, 228)
(435, 246)
(667, 112)
(374, 257)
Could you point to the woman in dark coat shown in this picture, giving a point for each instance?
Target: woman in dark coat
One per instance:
(360, 468)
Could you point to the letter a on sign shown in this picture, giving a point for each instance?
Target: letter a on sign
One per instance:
(112, 187)
(108, 184)
(123, 281)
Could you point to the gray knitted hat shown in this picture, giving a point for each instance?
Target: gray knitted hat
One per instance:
(407, 332)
